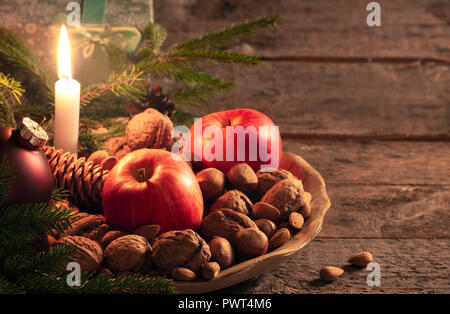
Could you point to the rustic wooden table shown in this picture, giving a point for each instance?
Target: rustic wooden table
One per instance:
(368, 107)
(377, 129)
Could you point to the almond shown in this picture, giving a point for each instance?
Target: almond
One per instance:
(279, 238)
(296, 220)
(183, 274)
(149, 232)
(265, 210)
(361, 259)
(330, 273)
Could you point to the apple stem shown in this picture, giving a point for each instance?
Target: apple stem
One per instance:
(142, 174)
(229, 122)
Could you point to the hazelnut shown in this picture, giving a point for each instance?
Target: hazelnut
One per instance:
(212, 183)
(98, 156)
(224, 223)
(88, 253)
(250, 243)
(222, 252)
(243, 178)
(210, 271)
(296, 220)
(267, 226)
(235, 200)
(128, 253)
(269, 177)
(286, 195)
(180, 248)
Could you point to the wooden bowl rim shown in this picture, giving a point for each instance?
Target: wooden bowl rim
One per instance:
(320, 203)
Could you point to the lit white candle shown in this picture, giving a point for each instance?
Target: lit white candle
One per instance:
(67, 100)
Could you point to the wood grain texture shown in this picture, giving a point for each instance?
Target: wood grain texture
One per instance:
(407, 266)
(320, 27)
(349, 99)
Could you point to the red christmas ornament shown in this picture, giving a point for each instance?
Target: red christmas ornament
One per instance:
(21, 147)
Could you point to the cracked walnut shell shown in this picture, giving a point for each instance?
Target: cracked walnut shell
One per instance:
(180, 248)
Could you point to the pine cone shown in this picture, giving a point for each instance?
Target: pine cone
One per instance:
(154, 99)
(83, 179)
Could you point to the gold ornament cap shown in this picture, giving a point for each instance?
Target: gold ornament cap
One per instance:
(32, 132)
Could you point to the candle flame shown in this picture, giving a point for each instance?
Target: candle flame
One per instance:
(64, 68)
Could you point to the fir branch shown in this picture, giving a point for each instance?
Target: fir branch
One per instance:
(17, 54)
(100, 284)
(60, 194)
(207, 55)
(7, 287)
(7, 177)
(126, 84)
(154, 36)
(228, 36)
(19, 222)
(13, 87)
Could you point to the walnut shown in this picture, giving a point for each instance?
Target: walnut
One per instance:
(225, 223)
(93, 227)
(285, 195)
(88, 253)
(181, 248)
(235, 200)
(149, 129)
(267, 179)
(128, 253)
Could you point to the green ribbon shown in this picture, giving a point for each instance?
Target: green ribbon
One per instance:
(87, 38)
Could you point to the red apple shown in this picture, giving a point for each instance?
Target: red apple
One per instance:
(258, 149)
(148, 186)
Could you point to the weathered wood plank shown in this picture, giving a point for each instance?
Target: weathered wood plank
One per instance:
(357, 164)
(407, 266)
(382, 189)
(392, 212)
(341, 98)
(319, 27)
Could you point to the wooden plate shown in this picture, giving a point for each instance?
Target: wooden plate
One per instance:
(320, 203)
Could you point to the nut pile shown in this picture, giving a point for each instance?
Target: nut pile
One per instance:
(247, 214)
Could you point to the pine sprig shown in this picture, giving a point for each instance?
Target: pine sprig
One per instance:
(29, 221)
(10, 91)
(100, 284)
(154, 36)
(229, 35)
(7, 177)
(207, 55)
(20, 58)
(125, 84)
